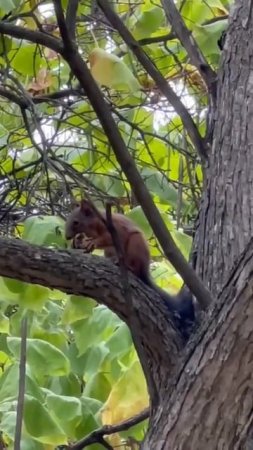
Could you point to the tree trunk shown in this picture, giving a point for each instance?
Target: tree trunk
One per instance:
(211, 405)
(226, 220)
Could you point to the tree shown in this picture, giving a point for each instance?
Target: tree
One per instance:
(200, 392)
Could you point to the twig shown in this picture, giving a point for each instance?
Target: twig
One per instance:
(95, 436)
(21, 387)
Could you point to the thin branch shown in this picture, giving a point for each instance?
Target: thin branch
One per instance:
(71, 18)
(157, 39)
(65, 34)
(36, 37)
(188, 42)
(161, 82)
(23, 103)
(108, 430)
(21, 385)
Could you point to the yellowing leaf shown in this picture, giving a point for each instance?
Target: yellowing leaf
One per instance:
(110, 71)
(128, 396)
(41, 83)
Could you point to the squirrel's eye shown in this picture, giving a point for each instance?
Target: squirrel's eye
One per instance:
(75, 222)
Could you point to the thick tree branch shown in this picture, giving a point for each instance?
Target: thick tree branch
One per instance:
(161, 82)
(96, 277)
(190, 45)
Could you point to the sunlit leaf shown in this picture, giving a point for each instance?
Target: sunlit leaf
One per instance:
(110, 71)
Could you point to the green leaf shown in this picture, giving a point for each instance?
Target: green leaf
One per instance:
(89, 421)
(148, 22)
(42, 357)
(77, 308)
(67, 410)
(4, 324)
(120, 342)
(9, 383)
(26, 59)
(98, 387)
(89, 332)
(31, 296)
(8, 424)
(8, 5)
(44, 230)
(40, 424)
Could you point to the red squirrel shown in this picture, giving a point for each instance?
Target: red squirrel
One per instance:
(85, 220)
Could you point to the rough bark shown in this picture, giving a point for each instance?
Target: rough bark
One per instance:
(226, 219)
(159, 343)
(211, 405)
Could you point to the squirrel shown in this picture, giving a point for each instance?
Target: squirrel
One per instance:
(88, 230)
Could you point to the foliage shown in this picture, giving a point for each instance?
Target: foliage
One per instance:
(82, 369)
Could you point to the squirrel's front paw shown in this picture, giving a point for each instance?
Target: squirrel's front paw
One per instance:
(88, 245)
(84, 243)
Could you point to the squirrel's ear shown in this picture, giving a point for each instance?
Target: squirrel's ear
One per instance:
(86, 207)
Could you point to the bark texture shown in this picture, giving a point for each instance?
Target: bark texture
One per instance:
(211, 405)
(159, 342)
(226, 219)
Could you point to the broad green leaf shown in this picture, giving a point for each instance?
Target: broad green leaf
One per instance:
(77, 308)
(4, 324)
(148, 22)
(44, 230)
(40, 424)
(158, 184)
(208, 35)
(137, 215)
(6, 294)
(31, 296)
(9, 383)
(89, 332)
(198, 12)
(26, 59)
(8, 424)
(67, 410)
(89, 421)
(42, 357)
(120, 342)
(94, 357)
(98, 387)
(8, 5)
(70, 385)
(110, 71)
